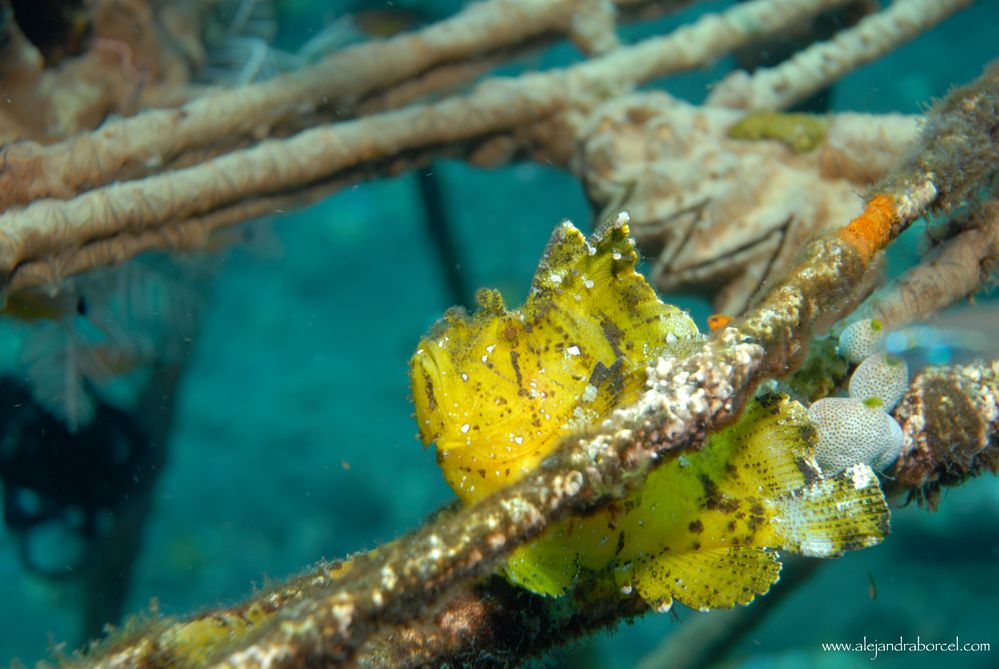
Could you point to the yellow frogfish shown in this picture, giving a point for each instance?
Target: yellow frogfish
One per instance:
(496, 392)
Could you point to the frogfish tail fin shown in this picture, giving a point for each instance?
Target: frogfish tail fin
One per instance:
(831, 516)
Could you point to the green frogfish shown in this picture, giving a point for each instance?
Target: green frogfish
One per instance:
(497, 391)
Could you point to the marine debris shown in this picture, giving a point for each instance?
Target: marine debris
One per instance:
(335, 614)
(94, 189)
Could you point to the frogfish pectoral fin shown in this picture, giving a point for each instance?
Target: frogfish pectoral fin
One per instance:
(545, 568)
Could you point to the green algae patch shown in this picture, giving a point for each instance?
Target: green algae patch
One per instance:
(799, 132)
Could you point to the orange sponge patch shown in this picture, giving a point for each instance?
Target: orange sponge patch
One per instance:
(718, 321)
(870, 232)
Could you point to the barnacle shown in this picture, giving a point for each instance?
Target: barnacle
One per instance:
(497, 391)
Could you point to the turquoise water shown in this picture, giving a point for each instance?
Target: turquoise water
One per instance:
(293, 439)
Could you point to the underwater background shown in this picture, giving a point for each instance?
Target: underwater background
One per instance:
(292, 438)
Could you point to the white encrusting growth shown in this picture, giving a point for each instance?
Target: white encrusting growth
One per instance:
(861, 340)
(896, 441)
(851, 432)
(880, 376)
(863, 477)
(860, 428)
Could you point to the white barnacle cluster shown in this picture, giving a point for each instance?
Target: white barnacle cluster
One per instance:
(860, 428)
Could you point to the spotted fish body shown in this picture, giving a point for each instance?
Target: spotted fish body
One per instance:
(705, 526)
(496, 392)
